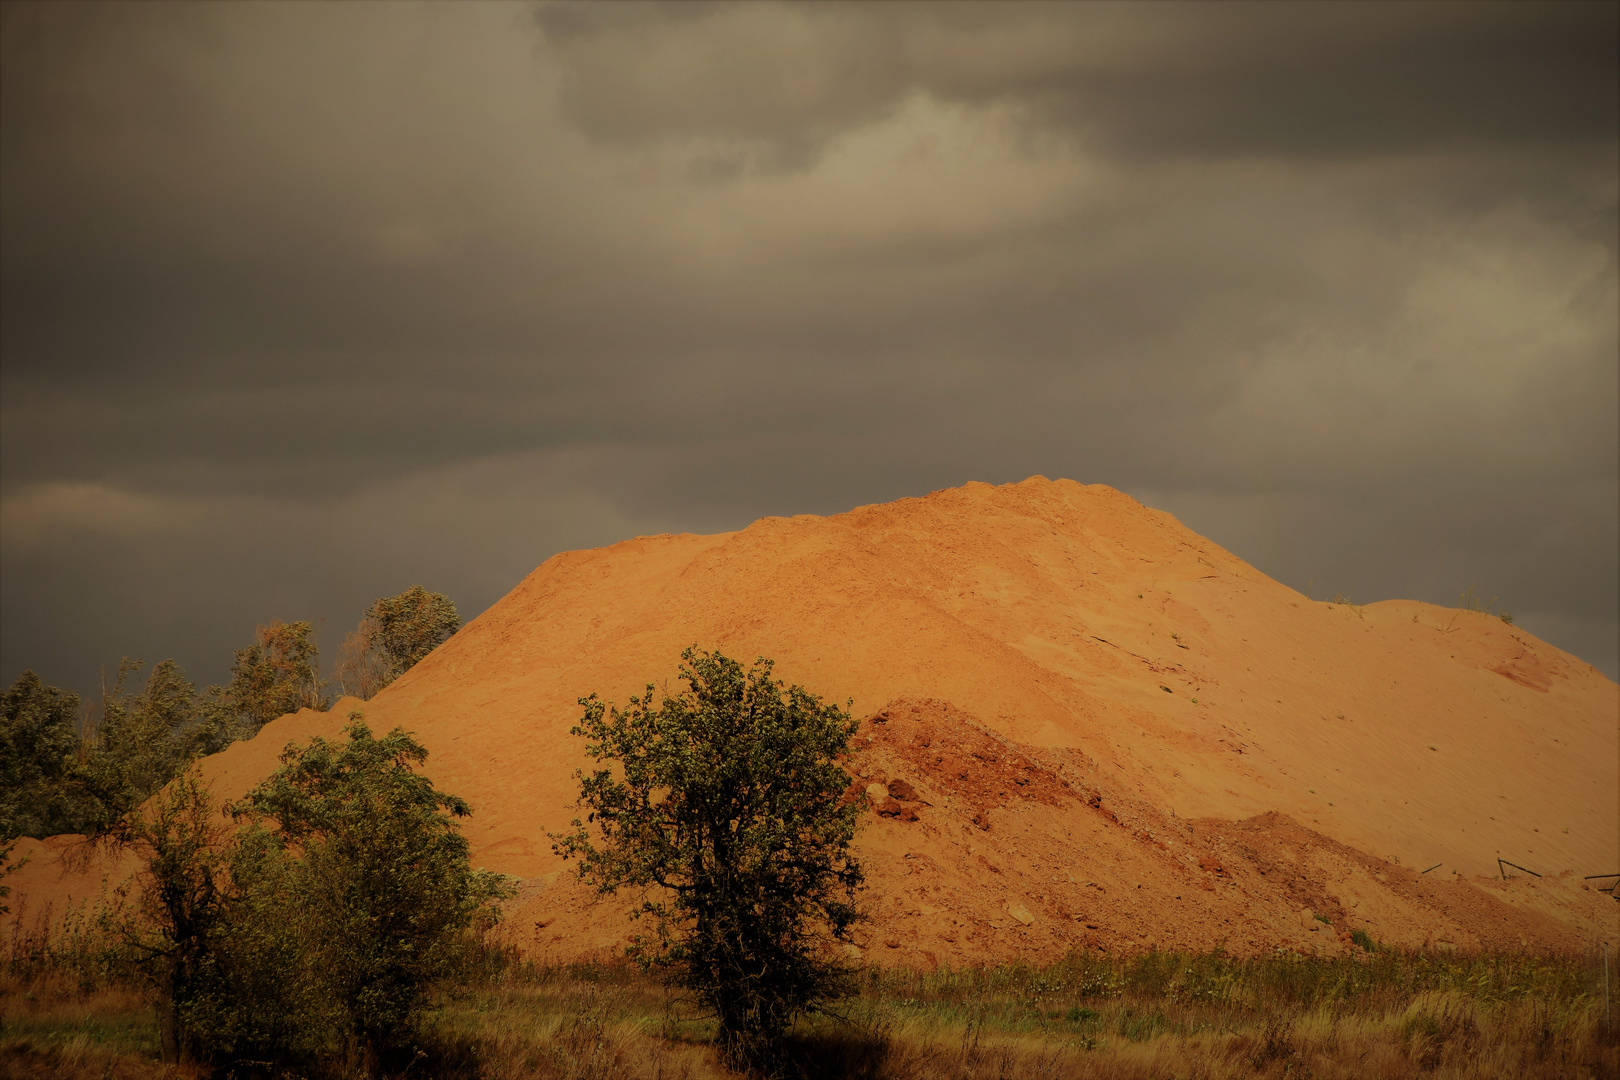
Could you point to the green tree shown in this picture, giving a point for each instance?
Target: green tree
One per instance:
(727, 805)
(268, 1000)
(274, 676)
(395, 633)
(382, 875)
(39, 741)
(137, 745)
(141, 741)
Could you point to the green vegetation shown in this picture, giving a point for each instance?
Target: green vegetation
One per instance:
(270, 678)
(141, 742)
(1394, 1015)
(370, 855)
(727, 808)
(307, 936)
(38, 737)
(396, 633)
(173, 936)
(68, 769)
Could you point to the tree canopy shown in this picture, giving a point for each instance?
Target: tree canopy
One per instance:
(727, 801)
(393, 636)
(381, 872)
(39, 737)
(275, 675)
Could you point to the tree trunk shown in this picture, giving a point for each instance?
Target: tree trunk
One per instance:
(168, 1015)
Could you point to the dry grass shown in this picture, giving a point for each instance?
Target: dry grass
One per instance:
(1160, 1016)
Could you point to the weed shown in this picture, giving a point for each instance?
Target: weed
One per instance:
(1469, 600)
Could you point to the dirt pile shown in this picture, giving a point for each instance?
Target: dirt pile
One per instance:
(1086, 727)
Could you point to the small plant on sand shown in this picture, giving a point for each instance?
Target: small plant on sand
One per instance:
(1469, 600)
(727, 804)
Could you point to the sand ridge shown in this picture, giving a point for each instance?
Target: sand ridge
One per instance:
(1213, 712)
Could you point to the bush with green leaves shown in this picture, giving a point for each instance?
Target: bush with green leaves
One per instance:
(726, 805)
(320, 922)
(379, 870)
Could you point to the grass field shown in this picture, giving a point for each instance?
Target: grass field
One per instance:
(1384, 1015)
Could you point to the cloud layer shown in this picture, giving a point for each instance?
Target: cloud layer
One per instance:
(307, 304)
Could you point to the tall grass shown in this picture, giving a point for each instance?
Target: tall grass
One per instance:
(1159, 1015)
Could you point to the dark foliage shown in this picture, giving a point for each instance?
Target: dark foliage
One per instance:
(38, 742)
(728, 804)
(395, 634)
(380, 874)
(274, 676)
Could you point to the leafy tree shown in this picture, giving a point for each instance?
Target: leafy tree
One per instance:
(142, 741)
(137, 746)
(395, 633)
(38, 743)
(728, 804)
(382, 875)
(274, 676)
(268, 1000)
(183, 903)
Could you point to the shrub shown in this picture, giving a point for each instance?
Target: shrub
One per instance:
(371, 853)
(183, 895)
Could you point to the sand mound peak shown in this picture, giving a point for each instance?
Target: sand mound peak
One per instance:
(1160, 714)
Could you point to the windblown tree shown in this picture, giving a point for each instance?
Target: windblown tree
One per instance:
(395, 633)
(726, 803)
(138, 744)
(54, 779)
(143, 740)
(39, 742)
(274, 676)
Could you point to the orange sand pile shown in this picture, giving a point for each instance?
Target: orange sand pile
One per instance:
(1098, 728)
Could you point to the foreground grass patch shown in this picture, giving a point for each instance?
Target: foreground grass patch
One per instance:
(1387, 1015)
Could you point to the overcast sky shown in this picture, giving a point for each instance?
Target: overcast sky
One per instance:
(304, 304)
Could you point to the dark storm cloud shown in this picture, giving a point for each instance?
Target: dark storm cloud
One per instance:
(304, 304)
(1169, 79)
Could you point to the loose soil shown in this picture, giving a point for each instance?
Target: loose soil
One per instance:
(1085, 727)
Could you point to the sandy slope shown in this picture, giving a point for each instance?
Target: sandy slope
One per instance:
(1206, 755)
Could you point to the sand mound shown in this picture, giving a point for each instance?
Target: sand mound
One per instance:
(1095, 727)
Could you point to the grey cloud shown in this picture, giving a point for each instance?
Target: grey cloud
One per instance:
(1179, 79)
(374, 295)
